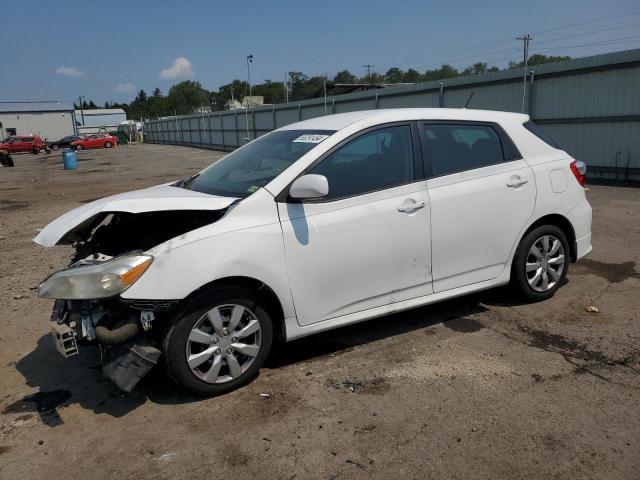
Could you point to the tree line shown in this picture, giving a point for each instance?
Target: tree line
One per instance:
(190, 96)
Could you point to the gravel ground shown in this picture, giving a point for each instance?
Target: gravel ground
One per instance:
(476, 387)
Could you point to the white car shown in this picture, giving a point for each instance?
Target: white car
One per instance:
(319, 224)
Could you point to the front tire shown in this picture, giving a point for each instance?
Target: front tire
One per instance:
(219, 343)
(55, 148)
(108, 145)
(541, 263)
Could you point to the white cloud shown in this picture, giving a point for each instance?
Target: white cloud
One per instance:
(181, 68)
(69, 72)
(125, 88)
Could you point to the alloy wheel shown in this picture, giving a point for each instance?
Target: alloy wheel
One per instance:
(545, 263)
(223, 343)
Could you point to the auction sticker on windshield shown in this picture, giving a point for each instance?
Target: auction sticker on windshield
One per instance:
(310, 138)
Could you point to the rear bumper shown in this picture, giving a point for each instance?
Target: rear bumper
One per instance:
(580, 218)
(583, 246)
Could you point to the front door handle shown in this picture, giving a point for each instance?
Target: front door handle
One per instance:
(516, 181)
(410, 205)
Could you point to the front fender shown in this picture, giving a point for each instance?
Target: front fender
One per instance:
(228, 248)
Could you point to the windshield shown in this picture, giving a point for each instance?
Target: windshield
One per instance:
(245, 170)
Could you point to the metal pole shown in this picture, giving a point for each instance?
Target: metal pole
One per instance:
(325, 95)
(249, 60)
(246, 108)
(81, 110)
(286, 88)
(246, 113)
(531, 99)
(526, 39)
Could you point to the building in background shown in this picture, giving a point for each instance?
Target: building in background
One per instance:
(247, 102)
(49, 120)
(99, 120)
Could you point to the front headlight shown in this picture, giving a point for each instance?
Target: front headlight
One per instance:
(95, 281)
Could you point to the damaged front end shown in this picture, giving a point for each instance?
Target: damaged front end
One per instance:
(109, 257)
(127, 350)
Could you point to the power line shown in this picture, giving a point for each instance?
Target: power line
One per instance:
(602, 43)
(605, 18)
(589, 33)
(624, 13)
(444, 59)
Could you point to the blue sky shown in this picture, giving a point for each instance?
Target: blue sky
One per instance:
(108, 51)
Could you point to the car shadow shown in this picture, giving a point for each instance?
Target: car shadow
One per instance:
(79, 380)
(452, 313)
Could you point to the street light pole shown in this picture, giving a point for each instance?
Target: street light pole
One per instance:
(246, 108)
(249, 60)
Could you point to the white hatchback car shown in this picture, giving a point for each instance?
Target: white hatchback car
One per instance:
(319, 224)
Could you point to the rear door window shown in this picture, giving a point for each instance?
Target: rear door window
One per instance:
(457, 147)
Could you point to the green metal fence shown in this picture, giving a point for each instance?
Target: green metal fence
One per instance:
(591, 106)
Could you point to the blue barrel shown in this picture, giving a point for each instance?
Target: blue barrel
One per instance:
(69, 159)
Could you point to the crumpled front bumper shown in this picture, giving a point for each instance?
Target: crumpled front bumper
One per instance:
(125, 363)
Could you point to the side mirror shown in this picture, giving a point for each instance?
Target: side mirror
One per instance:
(309, 186)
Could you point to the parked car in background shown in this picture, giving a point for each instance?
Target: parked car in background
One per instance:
(98, 140)
(64, 142)
(18, 143)
(316, 225)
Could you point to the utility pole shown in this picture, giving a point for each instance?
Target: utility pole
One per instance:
(81, 110)
(525, 40)
(368, 67)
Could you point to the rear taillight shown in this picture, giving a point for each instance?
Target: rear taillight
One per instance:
(579, 170)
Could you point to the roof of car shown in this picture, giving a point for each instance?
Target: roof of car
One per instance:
(341, 120)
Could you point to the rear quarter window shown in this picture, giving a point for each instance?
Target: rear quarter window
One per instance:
(541, 134)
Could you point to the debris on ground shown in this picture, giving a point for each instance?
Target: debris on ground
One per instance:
(266, 396)
(359, 465)
(591, 309)
(354, 384)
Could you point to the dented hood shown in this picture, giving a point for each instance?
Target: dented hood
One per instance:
(154, 199)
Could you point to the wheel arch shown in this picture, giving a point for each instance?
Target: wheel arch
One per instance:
(269, 299)
(563, 224)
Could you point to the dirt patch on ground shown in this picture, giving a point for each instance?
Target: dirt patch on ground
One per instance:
(9, 205)
(358, 385)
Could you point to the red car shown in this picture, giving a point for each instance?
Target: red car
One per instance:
(17, 143)
(97, 140)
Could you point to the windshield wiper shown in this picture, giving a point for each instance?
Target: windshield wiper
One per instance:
(186, 182)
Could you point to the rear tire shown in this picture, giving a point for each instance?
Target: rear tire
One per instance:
(79, 147)
(55, 148)
(194, 334)
(540, 264)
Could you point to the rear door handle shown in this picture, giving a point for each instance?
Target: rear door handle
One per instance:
(410, 205)
(516, 181)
